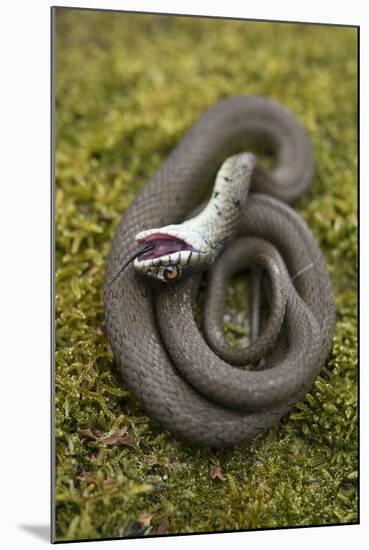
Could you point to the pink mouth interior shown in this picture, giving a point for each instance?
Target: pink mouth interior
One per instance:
(162, 244)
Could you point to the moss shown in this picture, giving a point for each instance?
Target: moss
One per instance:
(127, 88)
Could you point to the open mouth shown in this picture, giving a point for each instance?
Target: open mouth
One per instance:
(161, 244)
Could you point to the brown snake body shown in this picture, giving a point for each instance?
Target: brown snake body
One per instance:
(199, 393)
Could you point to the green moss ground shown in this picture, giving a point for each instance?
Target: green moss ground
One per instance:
(127, 87)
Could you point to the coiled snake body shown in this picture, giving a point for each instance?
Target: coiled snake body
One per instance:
(196, 388)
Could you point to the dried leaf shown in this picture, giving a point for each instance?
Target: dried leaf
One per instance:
(215, 472)
(86, 476)
(128, 440)
(114, 438)
(163, 527)
(110, 481)
(89, 433)
(145, 519)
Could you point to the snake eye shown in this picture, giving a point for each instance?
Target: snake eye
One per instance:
(171, 273)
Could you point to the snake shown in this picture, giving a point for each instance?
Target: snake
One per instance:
(174, 242)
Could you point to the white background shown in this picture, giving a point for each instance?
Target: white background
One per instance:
(25, 264)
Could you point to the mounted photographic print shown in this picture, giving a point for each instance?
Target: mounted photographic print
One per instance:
(205, 202)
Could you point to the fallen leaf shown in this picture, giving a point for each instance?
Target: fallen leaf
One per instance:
(215, 472)
(89, 434)
(114, 438)
(110, 481)
(163, 527)
(145, 519)
(86, 476)
(128, 440)
(119, 437)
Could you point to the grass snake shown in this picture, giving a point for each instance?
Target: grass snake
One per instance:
(193, 382)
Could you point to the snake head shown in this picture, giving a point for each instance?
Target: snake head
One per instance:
(170, 252)
(174, 250)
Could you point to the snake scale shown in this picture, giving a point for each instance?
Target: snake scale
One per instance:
(194, 385)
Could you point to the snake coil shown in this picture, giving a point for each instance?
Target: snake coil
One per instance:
(192, 386)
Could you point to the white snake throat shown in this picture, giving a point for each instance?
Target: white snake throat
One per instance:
(195, 244)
